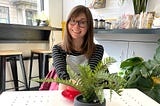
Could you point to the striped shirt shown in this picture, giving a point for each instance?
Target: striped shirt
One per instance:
(59, 59)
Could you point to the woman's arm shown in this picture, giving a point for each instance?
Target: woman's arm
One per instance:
(96, 57)
(59, 62)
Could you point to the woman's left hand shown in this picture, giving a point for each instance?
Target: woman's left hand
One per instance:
(63, 86)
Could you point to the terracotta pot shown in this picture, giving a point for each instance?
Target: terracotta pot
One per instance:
(78, 102)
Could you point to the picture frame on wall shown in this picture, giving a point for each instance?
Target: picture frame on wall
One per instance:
(97, 4)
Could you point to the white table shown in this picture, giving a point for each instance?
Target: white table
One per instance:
(129, 97)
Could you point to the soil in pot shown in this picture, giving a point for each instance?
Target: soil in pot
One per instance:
(78, 102)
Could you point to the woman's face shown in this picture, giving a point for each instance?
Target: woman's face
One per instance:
(78, 26)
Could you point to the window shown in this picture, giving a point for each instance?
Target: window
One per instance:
(29, 16)
(19, 11)
(4, 14)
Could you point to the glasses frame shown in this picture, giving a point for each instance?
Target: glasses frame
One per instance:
(74, 22)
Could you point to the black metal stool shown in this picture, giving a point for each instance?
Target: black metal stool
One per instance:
(43, 61)
(12, 56)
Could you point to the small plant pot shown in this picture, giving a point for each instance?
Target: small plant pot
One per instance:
(79, 102)
(43, 23)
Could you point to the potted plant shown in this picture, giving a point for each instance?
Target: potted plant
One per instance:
(91, 83)
(144, 75)
(41, 19)
(36, 20)
(44, 19)
(140, 6)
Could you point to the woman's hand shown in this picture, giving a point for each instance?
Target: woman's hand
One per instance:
(63, 86)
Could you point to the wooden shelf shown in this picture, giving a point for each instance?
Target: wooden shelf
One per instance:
(10, 33)
(127, 31)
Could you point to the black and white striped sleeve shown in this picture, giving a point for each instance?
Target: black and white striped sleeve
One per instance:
(59, 62)
(96, 57)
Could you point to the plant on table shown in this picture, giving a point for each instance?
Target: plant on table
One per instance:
(144, 75)
(92, 82)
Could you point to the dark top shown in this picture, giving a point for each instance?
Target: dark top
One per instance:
(59, 59)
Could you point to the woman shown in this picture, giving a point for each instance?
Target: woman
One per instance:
(78, 46)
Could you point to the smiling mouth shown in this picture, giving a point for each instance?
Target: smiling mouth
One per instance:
(77, 32)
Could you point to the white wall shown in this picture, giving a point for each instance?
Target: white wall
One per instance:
(54, 9)
(68, 5)
(113, 9)
(154, 5)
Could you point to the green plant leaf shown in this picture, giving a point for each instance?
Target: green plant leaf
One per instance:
(139, 6)
(139, 74)
(92, 82)
(143, 70)
(157, 55)
(144, 83)
(154, 93)
(131, 62)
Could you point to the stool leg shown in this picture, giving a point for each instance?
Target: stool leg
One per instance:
(40, 61)
(30, 71)
(43, 65)
(46, 60)
(23, 71)
(2, 74)
(43, 61)
(14, 72)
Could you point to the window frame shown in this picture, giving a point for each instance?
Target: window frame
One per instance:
(7, 14)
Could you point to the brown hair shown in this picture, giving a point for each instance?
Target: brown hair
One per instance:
(88, 45)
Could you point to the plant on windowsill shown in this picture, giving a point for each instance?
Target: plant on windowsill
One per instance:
(143, 75)
(41, 19)
(44, 19)
(91, 83)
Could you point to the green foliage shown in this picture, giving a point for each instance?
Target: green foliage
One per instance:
(144, 75)
(139, 6)
(92, 82)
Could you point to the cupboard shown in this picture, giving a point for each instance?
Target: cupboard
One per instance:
(122, 44)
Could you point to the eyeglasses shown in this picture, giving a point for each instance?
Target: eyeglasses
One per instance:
(81, 24)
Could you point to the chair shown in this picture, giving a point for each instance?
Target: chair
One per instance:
(43, 62)
(12, 56)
